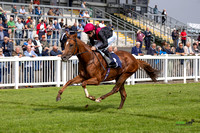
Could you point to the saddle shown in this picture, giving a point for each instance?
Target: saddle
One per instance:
(115, 60)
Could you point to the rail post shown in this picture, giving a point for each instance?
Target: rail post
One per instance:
(184, 71)
(16, 72)
(196, 68)
(64, 67)
(166, 66)
(58, 61)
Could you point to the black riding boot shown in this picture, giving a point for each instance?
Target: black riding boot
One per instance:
(109, 59)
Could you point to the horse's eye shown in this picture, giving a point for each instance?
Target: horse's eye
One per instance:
(70, 45)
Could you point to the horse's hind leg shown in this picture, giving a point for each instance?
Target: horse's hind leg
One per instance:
(76, 80)
(116, 88)
(92, 81)
(123, 96)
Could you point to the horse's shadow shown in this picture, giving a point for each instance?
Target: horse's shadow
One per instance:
(51, 108)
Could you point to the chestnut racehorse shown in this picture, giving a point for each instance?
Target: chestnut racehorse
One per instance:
(91, 71)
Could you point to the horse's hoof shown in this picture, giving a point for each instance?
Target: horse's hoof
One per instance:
(58, 99)
(92, 98)
(98, 100)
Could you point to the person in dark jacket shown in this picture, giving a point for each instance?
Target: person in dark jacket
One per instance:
(147, 38)
(152, 50)
(104, 36)
(137, 50)
(55, 52)
(7, 47)
(63, 38)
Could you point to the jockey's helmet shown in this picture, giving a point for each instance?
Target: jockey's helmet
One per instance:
(88, 28)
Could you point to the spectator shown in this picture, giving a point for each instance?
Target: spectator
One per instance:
(188, 49)
(140, 37)
(152, 50)
(73, 29)
(50, 13)
(164, 17)
(183, 37)
(174, 37)
(7, 47)
(97, 26)
(168, 49)
(17, 52)
(44, 42)
(83, 5)
(5, 26)
(30, 27)
(14, 10)
(37, 2)
(79, 31)
(28, 65)
(1, 64)
(22, 10)
(86, 15)
(19, 29)
(2, 35)
(38, 12)
(164, 43)
(82, 21)
(50, 29)
(57, 12)
(45, 52)
(159, 51)
(177, 38)
(198, 39)
(155, 11)
(55, 52)
(37, 45)
(195, 49)
(11, 24)
(101, 25)
(61, 23)
(41, 29)
(147, 38)
(180, 50)
(63, 39)
(56, 32)
(137, 50)
(30, 8)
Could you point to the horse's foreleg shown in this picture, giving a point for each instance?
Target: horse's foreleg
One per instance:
(116, 88)
(92, 81)
(76, 80)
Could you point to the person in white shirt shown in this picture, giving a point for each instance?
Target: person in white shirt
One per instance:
(22, 10)
(188, 49)
(20, 26)
(101, 25)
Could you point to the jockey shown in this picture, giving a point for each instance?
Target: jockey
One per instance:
(104, 36)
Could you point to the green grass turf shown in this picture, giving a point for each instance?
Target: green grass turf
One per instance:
(148, 108)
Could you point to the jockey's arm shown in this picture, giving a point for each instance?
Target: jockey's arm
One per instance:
(103, 43)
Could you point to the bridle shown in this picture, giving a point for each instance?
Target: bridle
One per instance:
(76, 46)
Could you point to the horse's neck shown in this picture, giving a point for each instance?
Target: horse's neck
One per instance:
(86, 55)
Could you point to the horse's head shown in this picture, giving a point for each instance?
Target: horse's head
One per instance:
(71, 47)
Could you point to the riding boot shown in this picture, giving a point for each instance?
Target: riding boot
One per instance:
(109, 59)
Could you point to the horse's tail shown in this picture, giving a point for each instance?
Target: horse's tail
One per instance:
(153, 73)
